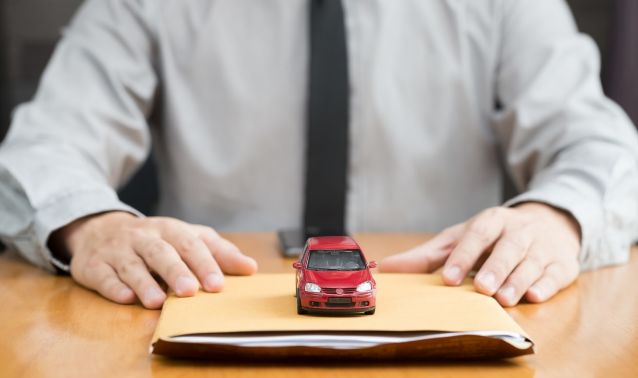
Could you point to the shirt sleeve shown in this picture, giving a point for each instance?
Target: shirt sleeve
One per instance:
(564, 142)
(85, 132)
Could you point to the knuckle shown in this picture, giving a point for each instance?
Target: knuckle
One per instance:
(109, 286)
(211, 231)
(169, 223)
(448, 230)
(91, 265)
(136, 233)
(87, 265)
(94, 262)
(137, 278)
(130, 266)
(479, 231)
(189, 245)
(210, 235)
(175, 269)
(158, 220)
(500, 270)
(230, 247)
(130, 235)
(522, 226)
(140, 282)
(515, 242)
(495, 212)
(112, 242)
(536, 260)
(462, 258)
(534, 264)
(156, 249)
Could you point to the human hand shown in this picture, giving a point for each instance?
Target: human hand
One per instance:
(114, 254)
(530, 250)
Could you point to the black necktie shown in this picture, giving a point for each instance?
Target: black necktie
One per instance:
(327, 121)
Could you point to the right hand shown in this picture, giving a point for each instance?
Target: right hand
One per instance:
(114, 254)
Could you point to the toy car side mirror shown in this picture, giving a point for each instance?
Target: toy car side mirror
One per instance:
(296, 265)
(372, 264)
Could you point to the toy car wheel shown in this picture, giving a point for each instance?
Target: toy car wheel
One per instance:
(371, 312)
(300, 309)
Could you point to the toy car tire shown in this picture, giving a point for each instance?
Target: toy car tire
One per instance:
(371, 312)
(300, 309)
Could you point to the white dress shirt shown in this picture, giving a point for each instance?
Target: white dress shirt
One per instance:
(444, 93)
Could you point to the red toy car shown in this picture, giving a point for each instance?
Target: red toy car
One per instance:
(333, 275)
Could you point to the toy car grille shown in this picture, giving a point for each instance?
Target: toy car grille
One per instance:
(329, 304)
(333, 290)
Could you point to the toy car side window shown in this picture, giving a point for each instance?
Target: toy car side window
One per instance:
(304, 260)
(304, 255)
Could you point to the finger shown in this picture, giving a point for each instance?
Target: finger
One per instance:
(162, 258)
(228, 256)
(101, 277)
(426, 257)
(507, 253)
(556, 277)
(480, 234)
(134, 273)
(525, 274)
(197, 256)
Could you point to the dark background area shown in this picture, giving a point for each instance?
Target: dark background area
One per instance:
(29, 30)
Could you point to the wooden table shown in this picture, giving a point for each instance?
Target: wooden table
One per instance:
(49, 326)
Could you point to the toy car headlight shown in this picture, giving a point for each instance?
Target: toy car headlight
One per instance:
(312, 287)
(366, 286)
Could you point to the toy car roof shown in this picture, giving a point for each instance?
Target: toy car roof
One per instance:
(332, 243)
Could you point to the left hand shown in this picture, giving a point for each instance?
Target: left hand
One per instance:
(529, 250)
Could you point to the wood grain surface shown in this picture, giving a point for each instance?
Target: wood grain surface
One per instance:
(49, 326)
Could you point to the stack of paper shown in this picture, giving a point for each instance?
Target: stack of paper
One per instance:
(416, 317)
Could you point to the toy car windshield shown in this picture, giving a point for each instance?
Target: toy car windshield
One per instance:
(336, 260)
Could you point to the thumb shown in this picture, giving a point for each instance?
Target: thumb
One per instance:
(426, 257)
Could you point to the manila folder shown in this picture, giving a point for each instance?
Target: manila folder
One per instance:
(417, 317)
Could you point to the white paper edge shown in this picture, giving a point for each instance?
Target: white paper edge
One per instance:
(340, 341)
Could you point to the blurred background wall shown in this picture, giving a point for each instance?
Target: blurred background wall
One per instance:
(29, 30)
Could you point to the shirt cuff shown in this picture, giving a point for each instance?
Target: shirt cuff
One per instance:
(65, 210)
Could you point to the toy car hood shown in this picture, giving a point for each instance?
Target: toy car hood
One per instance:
(342, 278)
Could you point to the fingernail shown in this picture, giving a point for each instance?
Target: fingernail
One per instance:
(153, 296)
(214, 282)
(453, 273)
(185, 285)
(488, 281)
(507, 292)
